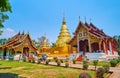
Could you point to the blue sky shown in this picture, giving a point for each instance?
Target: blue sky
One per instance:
(45, 16)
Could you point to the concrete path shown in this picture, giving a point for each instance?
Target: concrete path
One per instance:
(115, 70)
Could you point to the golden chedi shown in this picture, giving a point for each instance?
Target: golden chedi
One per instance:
(63, 38)
(45, 47)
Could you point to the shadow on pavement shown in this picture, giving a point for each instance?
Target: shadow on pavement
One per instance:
(10, 75)
(5, 67)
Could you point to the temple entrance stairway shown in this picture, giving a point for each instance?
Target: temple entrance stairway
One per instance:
(77, 56)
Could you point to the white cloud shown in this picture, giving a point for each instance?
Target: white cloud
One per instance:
(7, 33)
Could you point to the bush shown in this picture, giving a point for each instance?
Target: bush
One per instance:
(61, 60)
(32, 61)
(55, 59)
(85, 66)
(95, 63)
(119, 52)
(100, 72)
(74, 61)
(113, 63)
(38, 61)
(107, 68)
(47, 62)
(84, 75)
(66, 64)
(118, 60)
(85, 61)
(24, 60)
(58, 63)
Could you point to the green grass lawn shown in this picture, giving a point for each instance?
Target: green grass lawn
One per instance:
(13, 69)
(99, 63)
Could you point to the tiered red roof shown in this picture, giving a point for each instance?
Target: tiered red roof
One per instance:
(17, 40)
(92, 30)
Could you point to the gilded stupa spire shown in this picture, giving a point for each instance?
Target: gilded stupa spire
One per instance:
(64, 35)
(64, 21)
(45, 43)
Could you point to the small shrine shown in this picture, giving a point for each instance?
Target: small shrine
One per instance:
(20, 43)
(45, 46)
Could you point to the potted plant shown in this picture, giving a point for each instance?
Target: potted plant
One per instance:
(95, 63)
(84, 75)
(100, 72)
(61, 60)
(38, 61)
(85, 65)
(74, 61)
(47, 62)
(107, 68)
(55, 59)
(32, 61)
(58, 63)
(113, 63)
(66, 64)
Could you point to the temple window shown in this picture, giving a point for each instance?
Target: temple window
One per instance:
(80, 35)
(85, 34)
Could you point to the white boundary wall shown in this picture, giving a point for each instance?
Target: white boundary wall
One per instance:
(100, 56)
(96, 56)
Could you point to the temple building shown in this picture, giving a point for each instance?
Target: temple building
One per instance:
(20, 43)
(45, 46)
(89, 39)
(64, 37)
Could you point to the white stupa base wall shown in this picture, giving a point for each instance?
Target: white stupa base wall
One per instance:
(101, 56)
(96, 56)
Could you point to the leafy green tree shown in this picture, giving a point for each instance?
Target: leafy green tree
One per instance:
(3, 41)
(53, 45)
(4, 7)
(118, 42)
(35, 43)
(42, 41)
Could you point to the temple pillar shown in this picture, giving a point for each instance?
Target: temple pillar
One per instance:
(89, 44)
(78, 43)
(104, 47)
(69, 49)
(110, 47)
(2, 54)
(100, 45)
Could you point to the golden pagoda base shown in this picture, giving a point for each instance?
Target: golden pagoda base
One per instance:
(59, 52)
(57, 55)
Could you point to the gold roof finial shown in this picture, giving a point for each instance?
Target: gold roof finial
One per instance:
(79, 18)
(45, 34)
(28, 32)
(23, 32)
(19, 32)
(90, 20)
(85, 19)
(64, 21)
